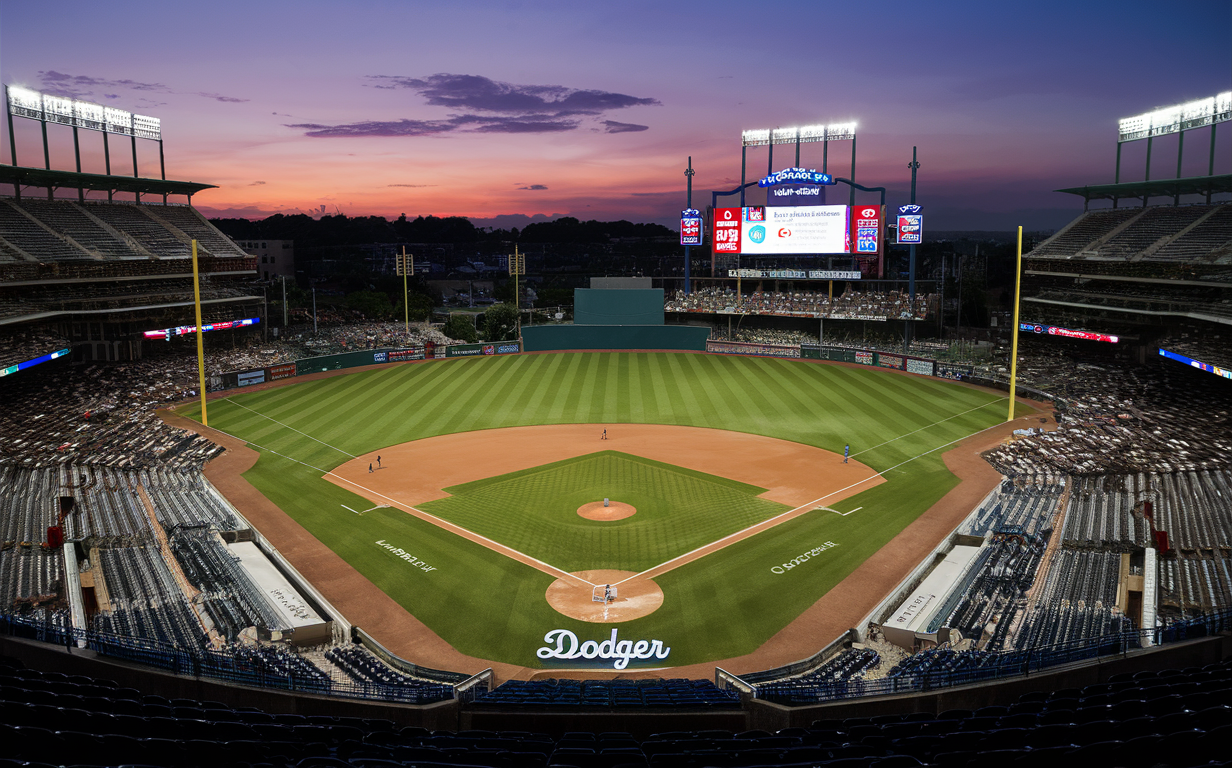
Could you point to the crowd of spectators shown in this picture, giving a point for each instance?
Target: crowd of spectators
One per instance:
(852, 304)
(1118, 417)
(104, 414)
(33, 342)
(1212, 347)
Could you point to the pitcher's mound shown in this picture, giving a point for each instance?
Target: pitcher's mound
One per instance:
(634, 599)
(616, 510)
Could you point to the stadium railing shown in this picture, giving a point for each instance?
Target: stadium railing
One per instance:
(997, 664)
(216, 664)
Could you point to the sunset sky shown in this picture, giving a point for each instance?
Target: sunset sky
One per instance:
(504, 111)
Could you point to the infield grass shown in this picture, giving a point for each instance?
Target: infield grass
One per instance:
(722, 605)
(535, 511)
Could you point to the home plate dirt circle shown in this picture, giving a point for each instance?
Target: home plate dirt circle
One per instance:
(634, 599)
(615, 510)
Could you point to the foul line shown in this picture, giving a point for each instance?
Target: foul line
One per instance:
(288, 426)
(772, 522)
(930, 426)
(657, 570)
(443, 524)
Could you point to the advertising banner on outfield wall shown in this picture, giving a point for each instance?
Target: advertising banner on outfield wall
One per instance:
(276, 372)
(248, 378)
(471, 350)
(748, 348)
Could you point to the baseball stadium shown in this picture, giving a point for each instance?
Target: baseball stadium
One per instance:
(708, 521)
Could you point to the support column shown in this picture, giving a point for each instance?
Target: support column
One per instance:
(81, 193)
(107, 161)
(162, 167)
(744, 152)
(135, 174)
(1145, 194)
(1210, 171)
(47, 158)
(13, 147)
(851, 200)
(1116, 180)
(1180, 148)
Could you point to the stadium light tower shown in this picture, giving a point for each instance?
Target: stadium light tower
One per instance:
(46, 108)
(765, 137)
(1175, 119)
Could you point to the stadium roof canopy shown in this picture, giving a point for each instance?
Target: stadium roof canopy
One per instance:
(1193, 185)
(99, 182)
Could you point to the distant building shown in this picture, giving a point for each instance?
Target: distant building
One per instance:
(275, 258)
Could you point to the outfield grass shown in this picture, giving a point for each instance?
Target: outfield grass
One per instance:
(722, 605)
(535, 511)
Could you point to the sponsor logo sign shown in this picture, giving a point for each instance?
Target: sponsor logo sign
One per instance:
(866, 221)
(726, 235)
(890, 361)
(247, 378)
(690, 227)
(276, 372)
(920, 366)
(563, 644)
(795, 176)
(796, 194)
(864, 357)
(1054, 330)
(489, 349)
(910, 224)
(797, 274)
(378, 357)
(398, 355)
(746, 348)
(508, 349)
(402, 554)
(803, 557)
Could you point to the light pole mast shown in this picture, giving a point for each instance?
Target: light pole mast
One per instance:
(914, 165)
(688, 175)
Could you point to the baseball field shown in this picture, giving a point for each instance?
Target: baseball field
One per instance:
(731, 508)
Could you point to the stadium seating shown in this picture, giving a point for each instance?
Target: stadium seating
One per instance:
(1174, 717)
(1191, 233)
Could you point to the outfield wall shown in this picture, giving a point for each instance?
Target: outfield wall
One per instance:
(556, 338)
(233, 379)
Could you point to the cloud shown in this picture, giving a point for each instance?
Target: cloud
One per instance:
(256, 183)
(482, 105)
(85, 86)
(474, 93)
(534, 187)
(611, 126)
(413, 186)
(219, 97)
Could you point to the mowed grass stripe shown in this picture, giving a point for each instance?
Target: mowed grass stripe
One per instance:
(815, 404)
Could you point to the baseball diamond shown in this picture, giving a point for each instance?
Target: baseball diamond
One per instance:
(734, 467)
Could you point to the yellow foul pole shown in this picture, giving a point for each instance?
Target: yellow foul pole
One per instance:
(200, 343)
(1014, 343)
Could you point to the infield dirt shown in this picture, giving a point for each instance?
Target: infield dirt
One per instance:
(794, 474)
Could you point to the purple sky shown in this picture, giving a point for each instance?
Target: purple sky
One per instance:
(507, 110)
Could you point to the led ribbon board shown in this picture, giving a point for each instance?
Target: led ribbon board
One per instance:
(167, 333)
(1222, 372)
(32, 363)
(1055, 330)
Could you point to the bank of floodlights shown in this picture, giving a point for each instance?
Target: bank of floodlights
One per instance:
(23, 102)
(803, 135)
(1182, 117)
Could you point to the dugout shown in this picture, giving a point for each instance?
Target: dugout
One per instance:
(620, 318)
